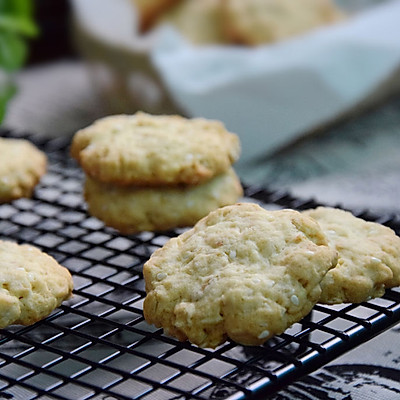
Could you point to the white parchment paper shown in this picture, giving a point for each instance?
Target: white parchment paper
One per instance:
(272, 94)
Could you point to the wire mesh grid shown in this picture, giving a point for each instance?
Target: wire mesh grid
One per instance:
(97, 345)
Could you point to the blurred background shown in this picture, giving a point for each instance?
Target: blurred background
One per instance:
(317, 112)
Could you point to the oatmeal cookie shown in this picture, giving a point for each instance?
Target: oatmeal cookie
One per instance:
(149, 150)
(369, 257)
(242, 273)
(255, 22)
(131, 210)
(33, 284)
(21, 168)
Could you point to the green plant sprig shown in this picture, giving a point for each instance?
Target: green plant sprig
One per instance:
(16, 25)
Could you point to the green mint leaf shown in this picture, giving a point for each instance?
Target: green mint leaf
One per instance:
(18, 25)
(12, 51)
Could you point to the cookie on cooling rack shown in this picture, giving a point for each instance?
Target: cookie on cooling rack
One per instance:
(242, 273)
(33, 284)
(149, 150)
(21, 167)
(131, 210)
(369, 257)
(147, 172)
(255, 22)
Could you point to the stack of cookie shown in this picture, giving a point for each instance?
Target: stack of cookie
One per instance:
(146, 172)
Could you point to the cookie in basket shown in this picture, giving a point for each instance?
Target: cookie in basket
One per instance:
(133, 209)
(149, 150)
(199, 21)
(369, 257)
(255, 22)
(242, 273)
(21, 167)
(33, 284)
(150, 10)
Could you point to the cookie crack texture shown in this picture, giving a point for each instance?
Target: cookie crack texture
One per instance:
(242, 273)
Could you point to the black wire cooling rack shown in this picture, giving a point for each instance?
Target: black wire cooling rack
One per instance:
(98, 346)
